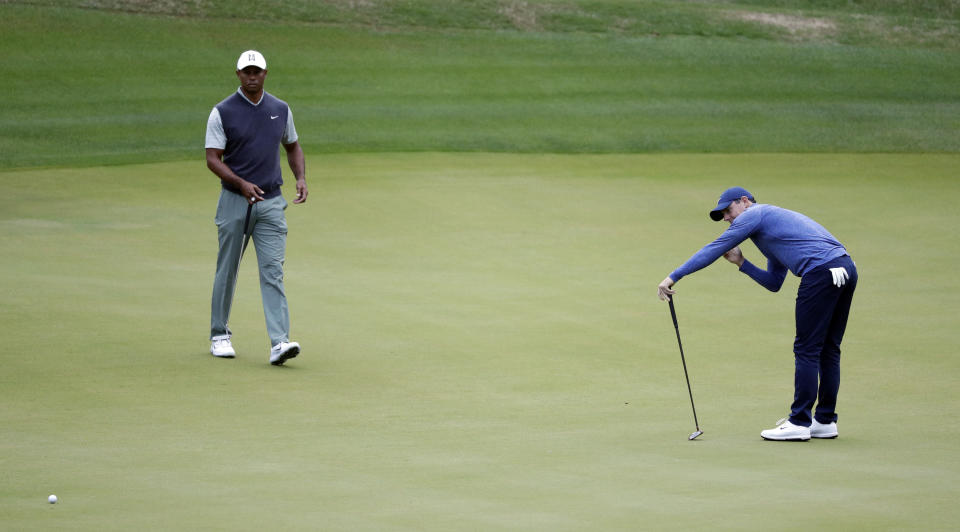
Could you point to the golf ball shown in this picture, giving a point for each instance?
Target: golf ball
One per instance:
(52, 499)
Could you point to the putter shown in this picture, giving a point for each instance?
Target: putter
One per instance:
(243, 248)
(673, 314)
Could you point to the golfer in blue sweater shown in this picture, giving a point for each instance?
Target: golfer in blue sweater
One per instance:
(794, 242)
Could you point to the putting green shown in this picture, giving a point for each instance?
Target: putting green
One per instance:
(483, 350)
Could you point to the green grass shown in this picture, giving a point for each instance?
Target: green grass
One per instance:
(933, 23)
(483, 350)
(93, 87)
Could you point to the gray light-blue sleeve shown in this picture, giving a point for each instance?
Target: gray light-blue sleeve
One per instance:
(290, 133)
(216, 138)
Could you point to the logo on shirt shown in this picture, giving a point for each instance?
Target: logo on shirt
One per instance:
(274, 117)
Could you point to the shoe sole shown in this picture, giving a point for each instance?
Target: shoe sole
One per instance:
(291, 353)
(830, 437)
(223, 356)
(793, 438)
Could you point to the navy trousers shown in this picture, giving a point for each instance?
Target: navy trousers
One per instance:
(821, 315)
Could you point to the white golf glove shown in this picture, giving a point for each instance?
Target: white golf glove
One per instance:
(840, 276)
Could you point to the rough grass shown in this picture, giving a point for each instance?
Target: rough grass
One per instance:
(930, 23)
(100, 87)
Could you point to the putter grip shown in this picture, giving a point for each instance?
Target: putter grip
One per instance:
(246, 227)
(246, 219)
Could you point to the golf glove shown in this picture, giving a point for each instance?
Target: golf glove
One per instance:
(840, 276)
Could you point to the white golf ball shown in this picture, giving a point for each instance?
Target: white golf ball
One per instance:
(52, 499)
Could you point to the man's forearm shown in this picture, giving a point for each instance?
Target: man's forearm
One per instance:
(220, 169)
(771, 279)
(297, 164)
(224, 172)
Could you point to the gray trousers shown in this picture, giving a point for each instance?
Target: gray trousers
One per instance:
(268, 227)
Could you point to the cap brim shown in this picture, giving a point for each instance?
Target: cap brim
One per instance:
(717, 214)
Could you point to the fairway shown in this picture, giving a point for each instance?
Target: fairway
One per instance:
(483, 350)
(84, 96)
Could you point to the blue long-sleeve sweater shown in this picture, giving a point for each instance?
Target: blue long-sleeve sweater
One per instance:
(789, 241)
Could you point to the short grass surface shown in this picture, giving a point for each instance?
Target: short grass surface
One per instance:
(483, 350)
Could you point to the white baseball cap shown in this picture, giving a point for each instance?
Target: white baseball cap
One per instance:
(251, 58)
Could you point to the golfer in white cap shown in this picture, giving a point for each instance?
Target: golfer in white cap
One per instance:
(244, 133)
(791, 242)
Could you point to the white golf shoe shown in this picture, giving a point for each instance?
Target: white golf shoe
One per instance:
(220, 346)
(826, 432)
(283, 351)
(786, 431)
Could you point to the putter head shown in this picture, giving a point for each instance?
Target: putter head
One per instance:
(695, 434)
